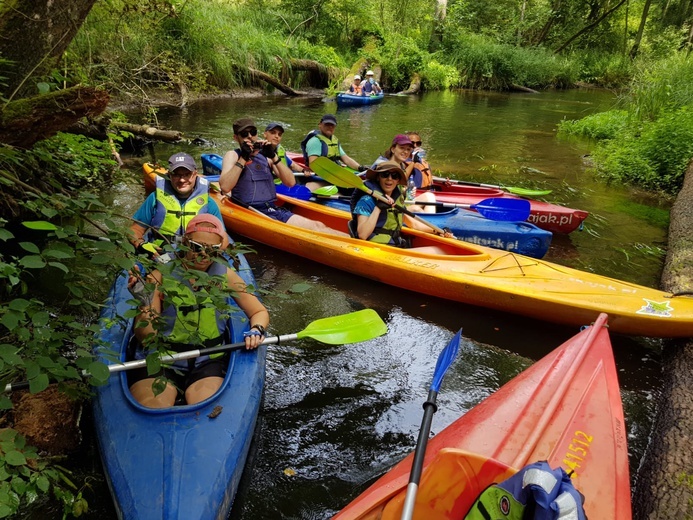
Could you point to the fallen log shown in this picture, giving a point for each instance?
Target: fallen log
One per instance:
(169, 136)
(414, 85)
(286, 89)
(26, 121)
(520, 88)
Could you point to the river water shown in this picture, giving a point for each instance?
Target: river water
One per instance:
(334, 418)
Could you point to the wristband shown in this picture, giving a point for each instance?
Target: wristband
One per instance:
(259, 327)
(277, 161)
(241, 166)
(251, 333)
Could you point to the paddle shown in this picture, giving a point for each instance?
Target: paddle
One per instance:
(336, 330)
(297, 191)
(522, 192)
(503, 210)
(343, 178)
(326, 191)
(445, 359)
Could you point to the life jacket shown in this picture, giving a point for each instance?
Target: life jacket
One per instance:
(356, 89)
(422, 179)
(330, 147)
(281, 153)
(389, 224)
(187, 320)
(536, 492)
(367, 87)
(256, 183)
(171, 215)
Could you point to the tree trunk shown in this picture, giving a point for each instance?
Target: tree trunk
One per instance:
(34, 34)
(439, 15)
(26, 121)
(556, 5)
(286, 89)
(589, 27)
(638, 37)
(414, 85)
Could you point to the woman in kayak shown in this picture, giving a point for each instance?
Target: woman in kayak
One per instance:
(380, 221)
(181, 309)
(400, 151)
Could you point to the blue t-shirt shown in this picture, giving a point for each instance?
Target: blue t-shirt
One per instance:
(145, 213)
(314, 147)
(365, 206)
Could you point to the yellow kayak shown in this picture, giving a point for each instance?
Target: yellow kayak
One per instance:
(470, 274)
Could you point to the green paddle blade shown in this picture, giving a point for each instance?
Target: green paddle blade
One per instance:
(526, 192)
(336, 174)
(347, 328)
(327, 191)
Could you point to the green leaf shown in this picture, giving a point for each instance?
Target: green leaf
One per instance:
(56, 253)
(5, 235)
(5, 402)
(11, 319)
(15, 458)
(33, 262)
(38, 384)
(60, 266)
(99, 370)
(19, 486)
(40, 319)
(300, 288)
(19, 304)
(30, 247)
(43, 483)
(43, 87)
(8, 434)
(40, 225)
(9, 354)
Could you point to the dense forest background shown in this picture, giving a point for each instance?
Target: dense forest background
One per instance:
(64, 60)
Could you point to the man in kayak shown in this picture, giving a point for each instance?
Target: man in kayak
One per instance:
(178, 197)
(181, 313)
(356, 89)
(381, 221)
(370, 86)
(248, 172)
(273, 135)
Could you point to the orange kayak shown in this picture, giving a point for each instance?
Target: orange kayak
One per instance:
(467, 273)
(565, 409)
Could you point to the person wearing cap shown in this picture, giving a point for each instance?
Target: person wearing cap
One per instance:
(356, 89)
(273, 135)
(179, 313)
(370, 86)
(247, 173)
(323, 143)
(380, 221)
(178, 197)
(400, 151)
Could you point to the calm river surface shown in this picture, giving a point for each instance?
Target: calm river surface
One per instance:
(336, 417)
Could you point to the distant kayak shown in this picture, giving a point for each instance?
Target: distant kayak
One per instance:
(349, 100)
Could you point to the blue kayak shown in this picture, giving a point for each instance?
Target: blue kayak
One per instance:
(349, 100)
(519, 237)
(177, 463)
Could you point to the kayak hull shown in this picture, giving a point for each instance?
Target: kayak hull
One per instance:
(349, 100)
(179, 463)
(521, 237)
(470, 274)
(565, 409)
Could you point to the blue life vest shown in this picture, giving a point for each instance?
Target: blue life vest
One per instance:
(389, 224)
(536, 492)
(171, 215)
(256, 183)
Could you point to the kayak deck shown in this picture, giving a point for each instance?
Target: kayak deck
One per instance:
(565, 409)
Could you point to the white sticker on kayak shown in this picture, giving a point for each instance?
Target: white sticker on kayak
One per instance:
(662, 309)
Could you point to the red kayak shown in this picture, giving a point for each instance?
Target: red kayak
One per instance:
(565, 409)
(554, 218)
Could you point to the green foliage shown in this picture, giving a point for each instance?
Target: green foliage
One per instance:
(605, 125)
(440, 77)
(603, 69)
(400, 59)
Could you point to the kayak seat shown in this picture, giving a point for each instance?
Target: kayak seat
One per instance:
(353, 229)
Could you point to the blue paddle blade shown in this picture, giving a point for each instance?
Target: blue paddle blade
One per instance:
(445, 359)
(509, 210)
(297, 191)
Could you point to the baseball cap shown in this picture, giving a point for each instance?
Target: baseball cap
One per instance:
(329, 118)
(402, 140)
(356, 76)
(181, 160)
(369, 73)
(241, 124)
(272, 126)
(210, 224)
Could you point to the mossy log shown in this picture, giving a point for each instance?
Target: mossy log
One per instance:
(286, 89)
(414, 85)
(664, 488)
(26, 121)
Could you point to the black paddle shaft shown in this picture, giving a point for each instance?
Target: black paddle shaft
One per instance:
(430, 407)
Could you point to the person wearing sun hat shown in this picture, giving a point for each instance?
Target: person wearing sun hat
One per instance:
(370, 86)
(178, 197)
(381, 221)
(183, 323)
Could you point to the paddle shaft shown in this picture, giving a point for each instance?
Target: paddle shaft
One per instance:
(430, 408)
(404, 210)
(172, 358)
(517, 191)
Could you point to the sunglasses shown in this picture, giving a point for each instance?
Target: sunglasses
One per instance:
(183, 176)
(416, 143)
(246, 133)
(386, 175)
(204, 249)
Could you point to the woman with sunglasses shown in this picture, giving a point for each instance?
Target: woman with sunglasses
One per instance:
(182, 311)
(400, 151)
(379, 221)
